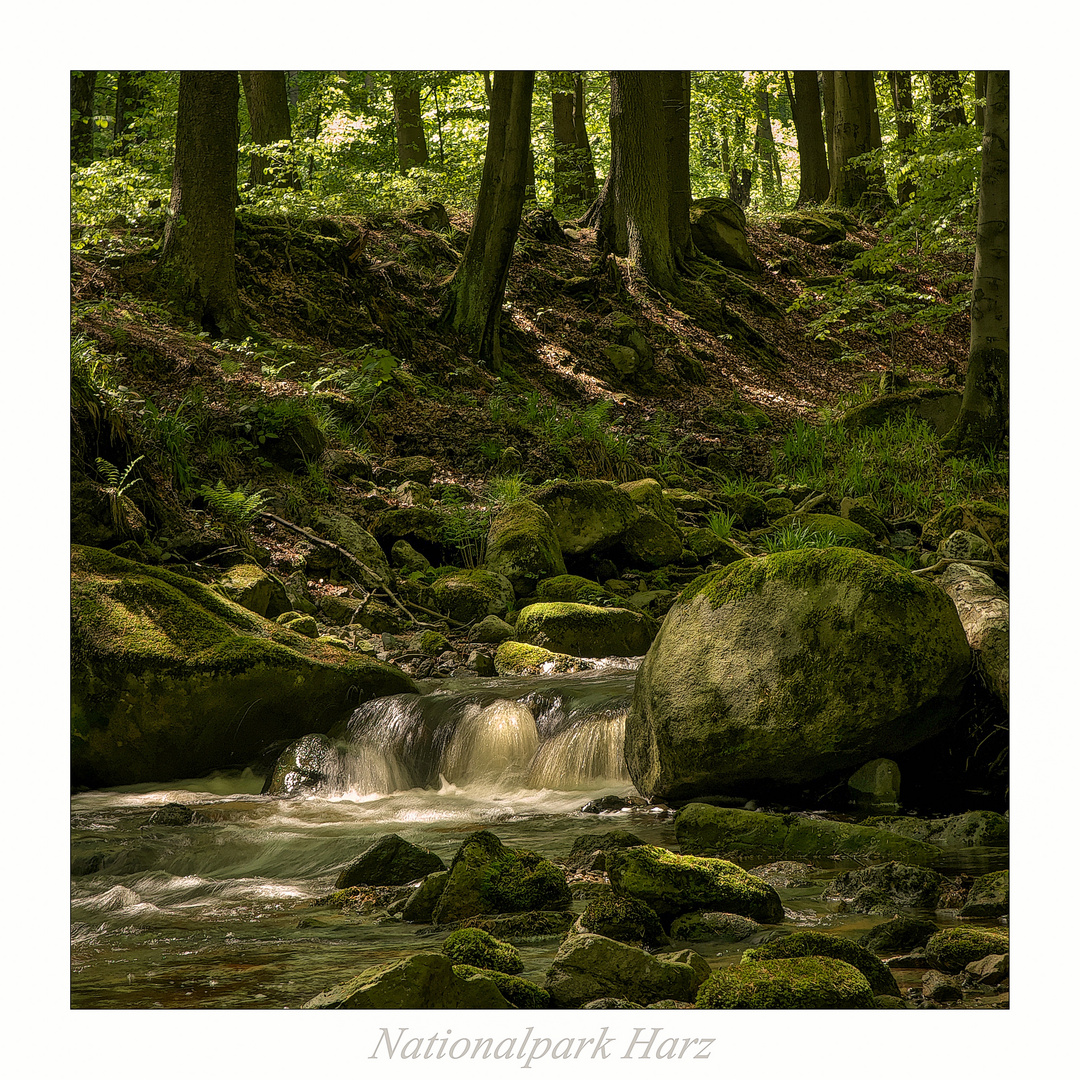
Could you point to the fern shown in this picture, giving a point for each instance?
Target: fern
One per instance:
(235, 507)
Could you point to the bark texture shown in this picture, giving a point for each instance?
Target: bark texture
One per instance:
(198, 253)
(408, 123)
(813, 162)
(82, 116)
(984, 411)
(900, 89)
(267, 96)
(575, 174)
(855, 132)
(984, 613)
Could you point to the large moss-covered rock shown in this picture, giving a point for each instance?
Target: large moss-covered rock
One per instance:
(900, 934)
(976, 828)
(702, 829)
(356, 540)
(586, 630)
(170, 679)
(649, 497)
(469, 595)
(572, 589)
(936, 405)
(822, 526)
(714, 926)
(790, 667)
(989, 897)
(813, 228)
(808, 982)
(885, 888)
(488, 878)
(480, 949)
(423, 981)
(253, 588)
(953, 948)
(624, 919)
(520, 993)
(519, 658)
(718, 229)
(674, 884)
(590, 966)
(390, 860)
(975, 516)
(816, 943)
(523, 546)
(649, 542)
(588, 515)
(706, 547)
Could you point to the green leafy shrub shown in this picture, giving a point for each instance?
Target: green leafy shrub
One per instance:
(236, 508)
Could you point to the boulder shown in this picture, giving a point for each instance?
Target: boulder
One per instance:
(357, 541)
(420, 526)
(590, 852)
(170, 679)
(649, 542)
(976, 828)
(421, 905)
(469, 595)
(305, 766)
(953, 948)
(821, 526)
(491, 630)
(571, 589)
(648, 496)
(586, 630)
(886, 888)
(791, 667)
(523, 547)
(590, 966)
(813, 228)
(989, 971)
(805, 982)
(965, 546)
(422, 981)
(901, 933)
(623, 919)
(937, 405)
(988, 898)
(984, 613)
(718, 229)
(876, 786)
(253, 588)
(714, 926)
(480, 949)
(975, 516)
(488, 878)
(942, 988)
(817, 943)
(520, 993)
(588, 515)
(517, 658)
(675, 884)
(716, 830)
(524, 927)
(390, 860)
(707, 547)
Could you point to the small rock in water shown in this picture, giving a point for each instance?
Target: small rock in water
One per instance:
(175, 814)
(608, 804)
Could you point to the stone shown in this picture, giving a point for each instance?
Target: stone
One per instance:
(953, 948)
(976, 828)
(718, 229)
(523, 546)
(817, 943)
(675, 884)
(480, 949)
(966, 546)
(356, 540)
(844, 530)
(570, 588)
(649, 543)
(416, 468)
(491, 630)
(587, 515)
(410, 493)
(299, 623)
(591, 852)
(990, 970)
(975, 516)
(169, 678)
(590, 966)
(253, 588)
(421, 526)
(649, 497)
(702, 829)
(805, 982)
(585, 630)
(813, 228)
(787, 668)
(875, 786)
(305, 766)
(422, 981)
(390, 860)
(938, 406)
(937, 986)
(707, 547)
(988, 897)
(407, 559)
(520, 993)
(518, 658)
(467, 596)
(983, 608)
(421, 904)
(901, 933)
(623, 919)
(714, 926)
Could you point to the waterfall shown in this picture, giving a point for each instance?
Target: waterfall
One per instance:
(496, 743)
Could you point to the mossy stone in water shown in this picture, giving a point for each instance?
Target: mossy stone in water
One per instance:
(586, 630)
(479, 948)
(989, 897)
(805, 982)
(624, 919)
(518, 658)
(390, 860)
(901, 933)
(520, 993)
(816, 943)
(953, 948)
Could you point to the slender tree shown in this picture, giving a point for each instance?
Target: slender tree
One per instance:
(813, 162)
(267, 97)
(475, 296)
(575, 174)
(984, 411)
(130, 99)
(82, 116)
(946, 100)
(197, 266)
(856, 131)
(408, 122)
(903, 106)
(766, 160)
(676, 88)
(980, 97)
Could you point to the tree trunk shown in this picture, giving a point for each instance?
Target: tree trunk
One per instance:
(813, 162)
(984, 411)
(855, 132)
(900, 87)
(676, 89)
(474, 303)
(130, 97)
(575, 175)
(980, 97)
(409, 124)
(82, 118)
(267, 99)
(828, 98)
(198, 253)
(765, 161)
(946, 100)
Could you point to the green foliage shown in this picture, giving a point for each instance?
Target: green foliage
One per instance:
(172, 436)
(118, 482)
(721, 523)
(479, 949)
(465, 528)
(792, 538)
(236, 508)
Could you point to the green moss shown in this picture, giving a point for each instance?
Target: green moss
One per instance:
(572, 589)
(809, 982)
(521, 993)
(954, 948)
(523, 881)
(518, 658)
(816, 943)
(480, 949)
(624, 919)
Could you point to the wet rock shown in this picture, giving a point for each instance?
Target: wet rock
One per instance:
(816, 943)
(585, 630)
(390, 860)
(304, 766)
(524, 927)
(953, 948)
(173, 814)
(520, 993)
(885, 888)
(939, 987)
(591, 852)
(480, 949)
(714, 926)
(989, 897)
(876, 786)
(623, 919)
(421, 904)
(991, 970)
(518, 658)
(607, 805)
(901, 933)
(805, 982)
(977, 828)
(785, 874)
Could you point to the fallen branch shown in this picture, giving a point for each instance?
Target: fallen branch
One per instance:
(942, 563)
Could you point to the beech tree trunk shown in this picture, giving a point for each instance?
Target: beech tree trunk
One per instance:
(82, 118)
(267, 97)
(856, 131)
(900, 87)
(475, 298)
(813, 161)
(575, 174)
(198, 253)
(946, 100)
(828, 97)
(980, 97)
(129, 103)
(408, 123)
(984, 411)
(766, 163)
(677, 146)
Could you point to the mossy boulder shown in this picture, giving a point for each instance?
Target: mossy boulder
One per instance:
(572, 589)
(791, 667)
(885, 888)
(624, 919)
(421, 526)
(479, 948)
(975, 516)
(953, 948)
(675, 884)
(649, 542)
(976, 828)
(718, 229)
(901, 933)
(648, 496)
(936, 405)
(587, 515)
(421, 904)
(590, 852)
(591, 966)
(988, 898)
(518, 658)
(520, 993)
(390, 860)
(702, 829)
(299, 623)
(586, 630)
(813, 228)
(523, 927)
(305, 766)
(816, 943)
(422, 981)
(523, 547)
(253, 588)
(170, 679)
(714, 926)
(488, 878)
(470, 595)
(806, 982)
(706, 547)
(342, 530)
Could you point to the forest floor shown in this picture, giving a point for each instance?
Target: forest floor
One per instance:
(732, 365)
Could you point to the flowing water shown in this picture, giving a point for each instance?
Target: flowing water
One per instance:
(218, 915)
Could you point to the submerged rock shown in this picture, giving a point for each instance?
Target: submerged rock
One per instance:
(714, 926)
(976, 828)
(623, 919)
(790, 667)
(304, 766)
(901, 933)
(806, 982)
(518, 658)
(480, 949)
(885, 888)
(988, 898)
